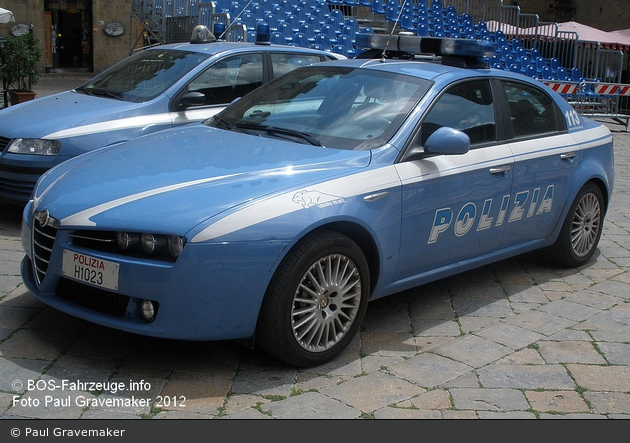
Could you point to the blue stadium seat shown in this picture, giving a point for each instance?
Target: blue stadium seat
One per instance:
(300, 39)
(340, 49)
(323, 40)
(277, 38)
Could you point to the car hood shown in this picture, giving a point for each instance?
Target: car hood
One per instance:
(43, 117)
(175, 179)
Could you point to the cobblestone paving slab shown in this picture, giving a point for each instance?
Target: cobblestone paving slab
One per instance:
(519, 339)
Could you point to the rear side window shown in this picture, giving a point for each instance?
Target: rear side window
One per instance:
(532, 112)
(283, 63)
(467, 106)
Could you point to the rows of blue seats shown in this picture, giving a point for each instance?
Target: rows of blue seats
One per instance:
(306, 23)
(321, 24)
(512, 56)
(425, 20)
(436, 21)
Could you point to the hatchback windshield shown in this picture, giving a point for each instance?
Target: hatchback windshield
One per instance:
(143, 76)
(343, 108)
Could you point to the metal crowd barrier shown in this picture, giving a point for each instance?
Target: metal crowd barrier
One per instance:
(597, 100)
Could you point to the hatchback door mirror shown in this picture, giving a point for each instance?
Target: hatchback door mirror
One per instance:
(190, 99)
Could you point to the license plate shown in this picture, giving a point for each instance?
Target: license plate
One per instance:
(91, 270)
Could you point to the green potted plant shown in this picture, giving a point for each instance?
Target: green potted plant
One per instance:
(18, 66)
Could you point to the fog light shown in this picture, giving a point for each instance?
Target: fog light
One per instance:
(148, 310)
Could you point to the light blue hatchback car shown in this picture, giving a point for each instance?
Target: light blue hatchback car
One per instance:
(155, 89)
(275, 221)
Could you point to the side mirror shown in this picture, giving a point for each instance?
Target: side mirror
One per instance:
(192, 99)
(447, 141)
(444, 141)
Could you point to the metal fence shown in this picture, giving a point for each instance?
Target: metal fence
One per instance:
(597, 100)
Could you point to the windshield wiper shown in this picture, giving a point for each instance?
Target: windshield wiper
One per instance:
(83, 90)
(104, 93)
(282, 133)
(221, 123)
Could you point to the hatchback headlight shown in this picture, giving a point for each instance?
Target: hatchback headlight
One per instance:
(34, 146)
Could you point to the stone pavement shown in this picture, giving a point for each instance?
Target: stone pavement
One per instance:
(520, 339)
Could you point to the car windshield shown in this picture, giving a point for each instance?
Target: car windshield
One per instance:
(330, 106)
(144, 76)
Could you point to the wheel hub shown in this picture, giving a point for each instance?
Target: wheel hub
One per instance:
(327, 303)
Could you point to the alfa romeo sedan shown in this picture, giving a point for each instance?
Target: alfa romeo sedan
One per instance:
(277, 220)
(155, 89)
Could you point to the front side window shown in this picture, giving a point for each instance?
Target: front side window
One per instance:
(143, 76)
(468, 107)
(229, 78)
(532, 112)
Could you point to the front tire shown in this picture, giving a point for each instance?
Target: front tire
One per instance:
(581, 229)
(316, 302)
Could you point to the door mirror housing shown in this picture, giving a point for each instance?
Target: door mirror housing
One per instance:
(444, 141)
(191, 99)
(447, 141)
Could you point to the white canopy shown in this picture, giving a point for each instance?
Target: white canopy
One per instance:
(6, 16)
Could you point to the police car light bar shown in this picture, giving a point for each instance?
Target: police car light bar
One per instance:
(415, 45)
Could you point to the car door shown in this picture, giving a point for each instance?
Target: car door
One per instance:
(454, 207)
(545, 160)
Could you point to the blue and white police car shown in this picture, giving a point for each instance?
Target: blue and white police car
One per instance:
(155, 89)
(277, 220)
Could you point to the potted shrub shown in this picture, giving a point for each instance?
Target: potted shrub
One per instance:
(18, 68)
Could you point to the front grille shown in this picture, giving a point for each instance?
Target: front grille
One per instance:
(4, 141)
(92, 298)
(43, 241)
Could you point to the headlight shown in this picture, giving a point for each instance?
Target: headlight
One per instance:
(151, 244)
(34, 146)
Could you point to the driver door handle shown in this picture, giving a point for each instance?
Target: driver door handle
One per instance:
(502, 170)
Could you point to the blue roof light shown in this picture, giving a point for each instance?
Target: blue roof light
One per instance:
(218, 28)
(415, 45)
(262, 33)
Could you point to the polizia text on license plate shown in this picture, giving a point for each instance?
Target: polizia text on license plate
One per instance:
(92, 270)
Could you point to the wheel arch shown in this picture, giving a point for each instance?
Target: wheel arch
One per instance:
(357, 233)
(602, 187)
(362, 237)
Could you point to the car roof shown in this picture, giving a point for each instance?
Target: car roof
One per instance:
(437, 59)
(431, 69)
(217, 47)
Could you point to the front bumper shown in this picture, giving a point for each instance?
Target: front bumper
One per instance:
(212, 292)
(19, 174)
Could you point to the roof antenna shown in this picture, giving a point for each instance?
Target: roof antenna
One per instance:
(402, 7)
(245, 7)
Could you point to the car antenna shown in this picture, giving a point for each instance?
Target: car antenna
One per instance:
(402, 8)
(236, 18)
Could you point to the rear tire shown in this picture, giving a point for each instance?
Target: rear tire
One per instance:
(316, 301)
(581, 229)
